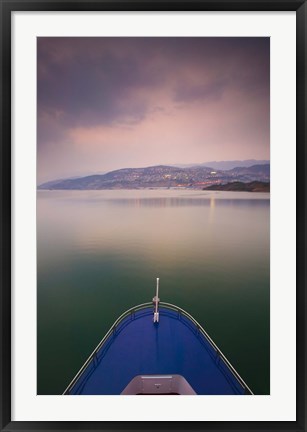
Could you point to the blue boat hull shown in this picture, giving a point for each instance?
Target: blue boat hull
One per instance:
(175, 345)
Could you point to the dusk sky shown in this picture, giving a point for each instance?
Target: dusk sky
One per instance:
(109, 103)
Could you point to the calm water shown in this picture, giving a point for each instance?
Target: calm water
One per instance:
(99, 253)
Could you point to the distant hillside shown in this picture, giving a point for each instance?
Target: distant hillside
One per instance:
(197, 177)
(225, 165)
(254, 186)
(259, 169)
(228, 165)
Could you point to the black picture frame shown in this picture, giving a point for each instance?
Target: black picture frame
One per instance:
(7, 7)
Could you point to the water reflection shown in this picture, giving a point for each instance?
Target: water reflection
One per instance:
(99, 252)
(185, 202)
(154, 198)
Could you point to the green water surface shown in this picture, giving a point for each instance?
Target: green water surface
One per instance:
(99, 253)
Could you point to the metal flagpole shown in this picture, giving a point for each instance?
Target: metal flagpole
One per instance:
(156, 299)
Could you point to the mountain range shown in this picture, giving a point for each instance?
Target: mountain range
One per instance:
(162, 176)
(227, 165)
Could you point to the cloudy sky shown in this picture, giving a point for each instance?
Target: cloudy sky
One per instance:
(109, 103)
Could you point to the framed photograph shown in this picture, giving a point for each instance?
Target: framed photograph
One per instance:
(153, 215)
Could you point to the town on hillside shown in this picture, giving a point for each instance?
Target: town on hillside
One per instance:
(161, 176)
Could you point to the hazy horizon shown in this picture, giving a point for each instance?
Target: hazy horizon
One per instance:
(109, 103)
(261, 162)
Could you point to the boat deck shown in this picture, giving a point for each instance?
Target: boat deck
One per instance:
(137, 346)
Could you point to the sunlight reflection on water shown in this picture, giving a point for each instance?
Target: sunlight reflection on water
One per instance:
(100, 251)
